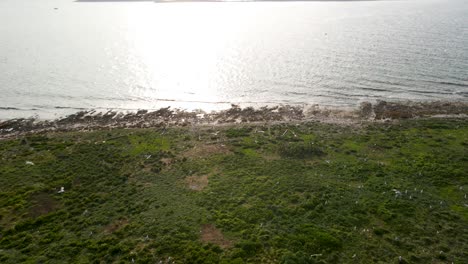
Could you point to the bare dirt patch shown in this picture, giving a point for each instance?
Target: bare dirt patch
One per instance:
(271, 156)
(167, 161)
(211, 234)
(115, 226)
(197, 183)
(206, 150)
(43, 204)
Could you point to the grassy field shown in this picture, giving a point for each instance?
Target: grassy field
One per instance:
(285, 193)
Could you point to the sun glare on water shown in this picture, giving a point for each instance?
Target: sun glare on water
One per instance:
(178, 50)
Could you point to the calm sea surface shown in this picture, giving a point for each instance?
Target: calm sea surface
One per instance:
(60, 56)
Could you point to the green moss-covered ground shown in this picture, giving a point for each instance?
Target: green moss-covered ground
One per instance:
(307, 193)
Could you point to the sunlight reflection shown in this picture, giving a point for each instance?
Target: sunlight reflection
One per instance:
(184, 65)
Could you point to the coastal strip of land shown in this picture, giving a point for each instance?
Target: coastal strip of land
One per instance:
(88, 120)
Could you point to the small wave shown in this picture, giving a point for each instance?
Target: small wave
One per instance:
(388, 83)
(342, 95)
(428, 92)
(373, 89)
(295, 93)
(9, 108)
(68, 107)
(450, 84)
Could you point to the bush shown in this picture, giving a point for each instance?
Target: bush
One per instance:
(238, 132)
(300, 150)
(248, 248)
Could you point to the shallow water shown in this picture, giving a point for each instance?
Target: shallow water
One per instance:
(60, 56)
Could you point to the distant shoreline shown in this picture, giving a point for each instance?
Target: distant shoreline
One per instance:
(220, 1)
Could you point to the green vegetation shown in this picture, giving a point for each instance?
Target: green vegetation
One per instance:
(306, 193)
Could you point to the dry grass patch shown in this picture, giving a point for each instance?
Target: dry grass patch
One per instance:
(43, 204)
(271, 156)
(115, 226)
(211, 234)
(206, 150)
(167, 161)
(197, 183)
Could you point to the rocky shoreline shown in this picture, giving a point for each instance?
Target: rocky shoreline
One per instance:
(93, 120)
